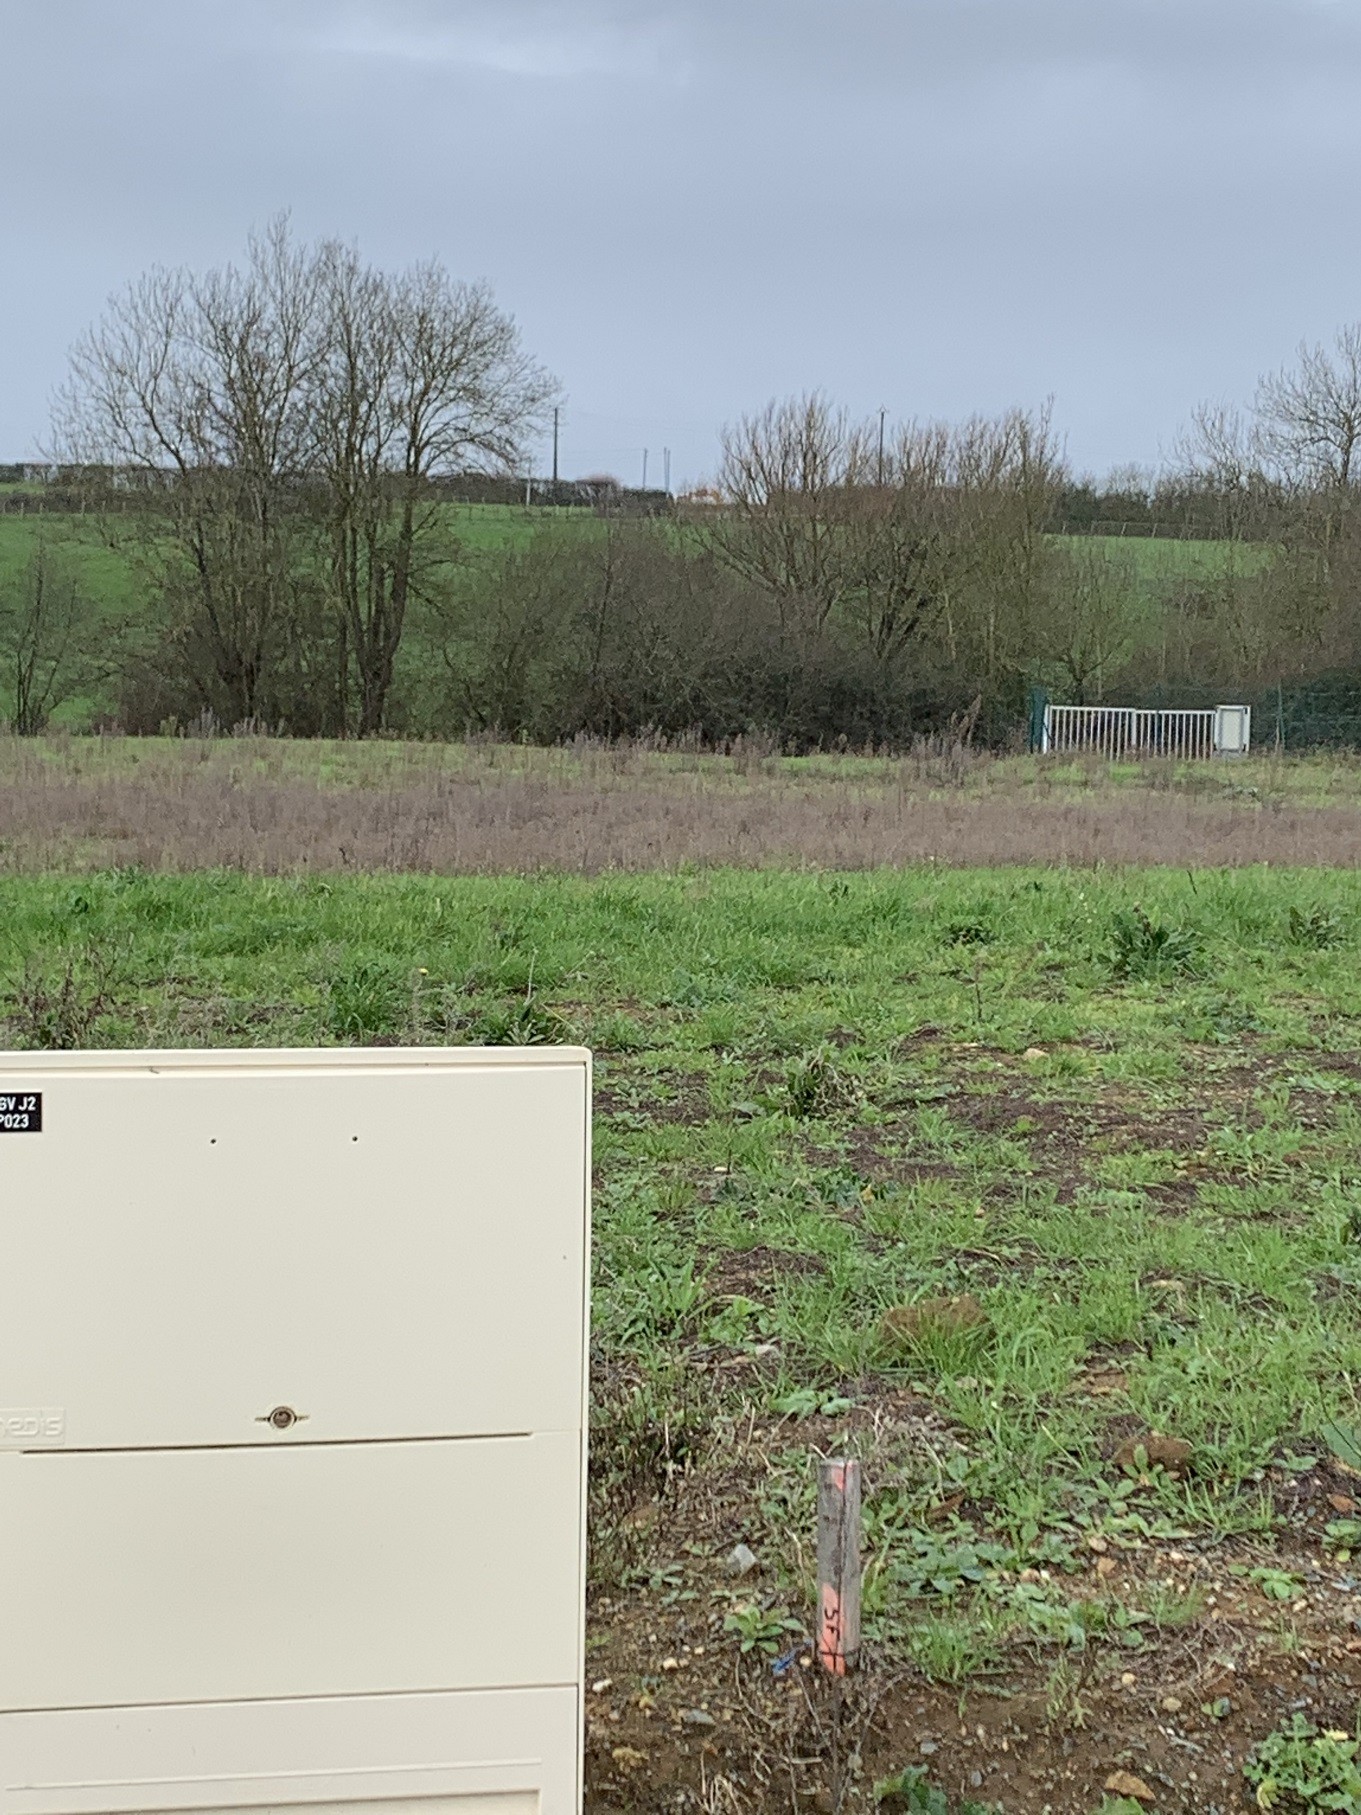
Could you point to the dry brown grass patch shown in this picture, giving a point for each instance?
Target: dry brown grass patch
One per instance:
(273, 808)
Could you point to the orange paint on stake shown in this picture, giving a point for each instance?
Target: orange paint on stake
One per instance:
(838, 1634)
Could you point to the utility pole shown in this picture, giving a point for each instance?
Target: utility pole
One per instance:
(882, 414)
(644, 469)
(666, 471)
(555, 444)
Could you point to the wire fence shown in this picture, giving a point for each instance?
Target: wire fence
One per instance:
(1147, 529)
(1322, 712)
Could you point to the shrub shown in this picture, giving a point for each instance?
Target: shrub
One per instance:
(1300, 1768)
(1145, 948)
(816, 1086)
(1315, 930)
(60, 1008)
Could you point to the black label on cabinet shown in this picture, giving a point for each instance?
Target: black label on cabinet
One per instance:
(21, 1112)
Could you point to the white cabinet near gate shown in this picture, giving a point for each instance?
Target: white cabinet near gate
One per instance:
(292, 1430)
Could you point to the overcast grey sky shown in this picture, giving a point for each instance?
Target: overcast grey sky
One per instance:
(939, 206)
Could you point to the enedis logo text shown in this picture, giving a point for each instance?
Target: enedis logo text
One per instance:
(35, 1424)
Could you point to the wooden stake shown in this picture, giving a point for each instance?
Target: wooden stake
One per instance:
(838, 1640)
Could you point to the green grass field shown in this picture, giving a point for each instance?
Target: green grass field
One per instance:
(485, 526)
(104, 574)
(1040, 1191)
(479, 527)
(1159, 558)
(109, 574)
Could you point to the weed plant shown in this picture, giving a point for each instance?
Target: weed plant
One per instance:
(1300, 1770)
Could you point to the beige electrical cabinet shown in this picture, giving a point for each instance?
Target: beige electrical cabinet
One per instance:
(292, 1428)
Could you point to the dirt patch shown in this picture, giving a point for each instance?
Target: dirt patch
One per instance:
(686, 1104)
(983, 1267)
(1175, 1195)
(863, 1154)
(677, 1717)
(1050, 1124)
(1314, 1497)
(1066, 1139)
(750, 1272)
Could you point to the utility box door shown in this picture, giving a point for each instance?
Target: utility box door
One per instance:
(478, 1752)
(1232, 730)
(219, 1575)
(372, 1246)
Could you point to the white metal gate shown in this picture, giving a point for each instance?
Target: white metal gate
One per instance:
(1127, 733)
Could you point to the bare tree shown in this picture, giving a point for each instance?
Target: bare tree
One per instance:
(882, 534)
(188, 406)
(1309, 415)
(45, 641)
(268, 436)
(1309, 419)
(422, 377)
(1008, 472)
(1284, 477)
(1221, 463)
(783, 480)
